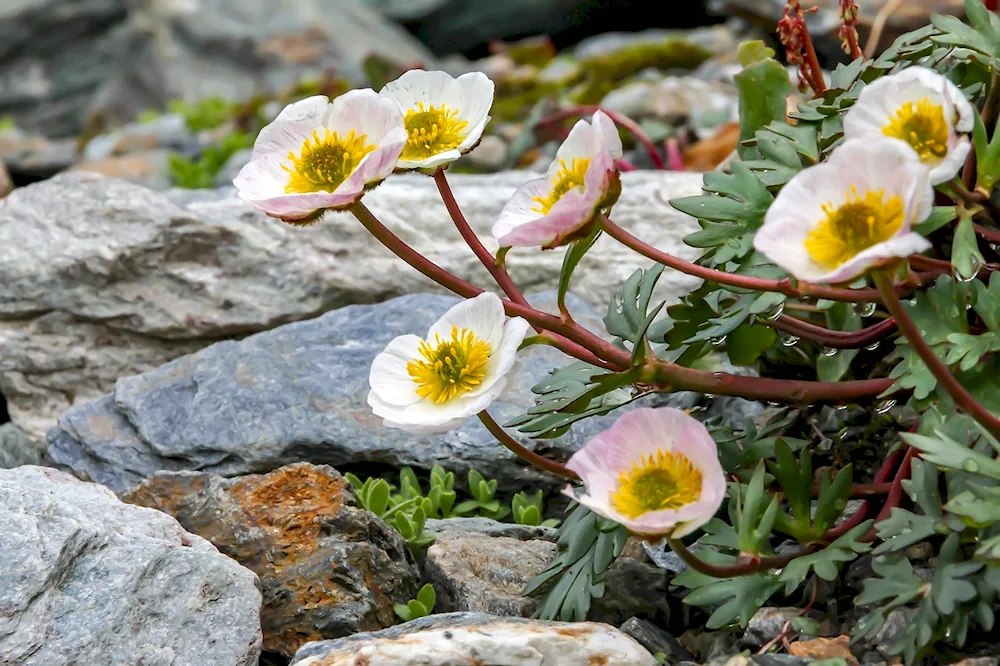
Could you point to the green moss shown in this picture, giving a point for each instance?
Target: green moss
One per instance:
(7, 124)
(603, 72)
(207, 114)
(200, 173)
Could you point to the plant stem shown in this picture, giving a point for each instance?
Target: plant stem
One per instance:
(580, 343)
(816, 80)
(990, 235)
(785, 287)
(895, 494)
(745, 567)
(619, 119)
(485, 256)
(964, 399)
(525, 454)
(883, 474)
(833, 339)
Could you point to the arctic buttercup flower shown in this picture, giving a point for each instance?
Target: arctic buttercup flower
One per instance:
(921, 108)
(444, 116)
(582, 182)
(433, 384)
(319, 155)
(833, 221)
(655, 471)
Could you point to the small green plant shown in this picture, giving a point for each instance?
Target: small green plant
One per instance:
(200, 173)
(422, 606)
(412, 528)
(147, 116)
(207, 114)
(484, 501)
(528, 510)
(7, 124)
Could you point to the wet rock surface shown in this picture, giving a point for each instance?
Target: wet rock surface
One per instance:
(88, 579)
(327, 568)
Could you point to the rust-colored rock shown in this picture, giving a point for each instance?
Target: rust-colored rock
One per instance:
(327, 568)
(819, 649)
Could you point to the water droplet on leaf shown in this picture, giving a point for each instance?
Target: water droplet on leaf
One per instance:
(884, 406)
(970, 465)
(789, 340)
(873, 346)
(865, 309)
(830, 351)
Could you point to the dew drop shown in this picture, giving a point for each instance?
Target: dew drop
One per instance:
(775, 312)
(830, 351)
(873, 346)
(709, 396)
(970, 465)
(884, 406)
(718, 342)
(865, 309)
(841, 408)
(789, 340)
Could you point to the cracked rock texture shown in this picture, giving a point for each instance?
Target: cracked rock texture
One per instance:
(88, 579)
(104, 279)
(327, 568)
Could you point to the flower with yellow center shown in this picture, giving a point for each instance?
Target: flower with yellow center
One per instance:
(318, 156)
(922, 109)
(432, 384)
(580, 184)
(655, 471)
(834, 221)
(444, 116)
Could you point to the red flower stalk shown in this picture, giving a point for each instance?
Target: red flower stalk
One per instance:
(849, 31)
(799, 50)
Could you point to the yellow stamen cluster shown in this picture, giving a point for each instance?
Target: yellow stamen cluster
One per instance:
(325, 162)
(662, 481)
(854, 226)
(922, 125)
(432, 130)
(450, 367)
(569, 176)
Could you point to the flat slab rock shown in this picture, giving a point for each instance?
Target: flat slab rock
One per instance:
(88, 579)
(477, 638)
(294, 394)
(327, 568)
(104, 279)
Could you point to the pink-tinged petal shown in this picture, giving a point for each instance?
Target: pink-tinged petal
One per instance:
(520, 208)
(290, 129)
(581, 143)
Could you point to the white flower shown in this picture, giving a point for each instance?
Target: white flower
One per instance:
(922, 108)
(580, 183)
(655, 471)
(444, 117)
(833, 221)
(433, 384)
(319, 155)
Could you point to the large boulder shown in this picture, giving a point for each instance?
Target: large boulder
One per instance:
(64, 65)
(297, 393)
(87, 579)
(327, 568)
(103, 279)
(459, 638)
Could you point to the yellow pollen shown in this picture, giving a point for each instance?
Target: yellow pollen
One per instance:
(922, 125)
(431, 131)
(450, 367)
(569, 176)
(854, 226)
(325, 162)
(656, 482)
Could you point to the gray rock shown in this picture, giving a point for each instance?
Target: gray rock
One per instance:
(767, 623)
(454, 638)
(169, 131)
(86, 579)
(33, 157)
(292, 394)
(327, 568)
(704, 105)
(18, 449)
(490, 527)
(475, 572)
(103, 279)
(655, 639)
(896, 622)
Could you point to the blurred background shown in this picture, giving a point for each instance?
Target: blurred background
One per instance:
(172, 92)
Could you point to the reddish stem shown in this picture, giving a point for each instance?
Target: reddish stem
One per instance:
(991, 235)
(744, 567)
(833, 339)
(816, 78)
(895, 495)
(619, 119)
(525, 454)
(741, 281)
(883, 474)
(941, 372)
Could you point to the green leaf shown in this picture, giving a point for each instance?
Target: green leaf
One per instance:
(427, 597)
(833, 367)
(574, 254)
(763, 86)
(940, 216)
(826, 563)
(628, 309)
(945, 452)
(747, 342)
(403, 612)
(737, 598)
(949, 588)
(378, 497)
(965, 254)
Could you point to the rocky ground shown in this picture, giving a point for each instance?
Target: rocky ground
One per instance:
(183, 379)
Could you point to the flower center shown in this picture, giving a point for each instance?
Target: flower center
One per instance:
(854, 226)
(432, 130)
(923, 126)
(656, 482)
(569, 176)
(324, 163)
(450, 367)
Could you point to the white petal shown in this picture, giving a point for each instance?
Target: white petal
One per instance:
(952, 162)
(895, 247)
(504, 356)
(581, 143)
(608, 131)
(432, 161)
(520, 208)
(389, 378)
(438, 417)
(483, 315)
(416, 86)
(477, 99)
